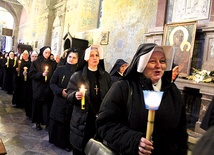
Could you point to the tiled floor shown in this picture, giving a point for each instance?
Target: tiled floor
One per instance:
(18, 135)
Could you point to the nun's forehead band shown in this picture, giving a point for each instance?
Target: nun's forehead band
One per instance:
(94, 48)
(159, 49)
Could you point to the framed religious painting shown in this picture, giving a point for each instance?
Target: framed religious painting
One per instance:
(191, 9)
(104, 38)
(182, 37)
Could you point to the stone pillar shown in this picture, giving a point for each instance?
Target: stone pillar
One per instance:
(156, 34)
(212, 11)
(161, 13)
(49, 25)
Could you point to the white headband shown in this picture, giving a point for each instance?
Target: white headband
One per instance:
(93, 47)
(169, 54)
(34, 53)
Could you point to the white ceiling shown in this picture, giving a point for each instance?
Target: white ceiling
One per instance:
(6, 19)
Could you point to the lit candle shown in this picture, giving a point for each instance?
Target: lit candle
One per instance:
(46, 70)
(63, 79)
(8, 61)
(152, 102)
(83, 90)
(15, 59)
(19, 66)
(25, 76)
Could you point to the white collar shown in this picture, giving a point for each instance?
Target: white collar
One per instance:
(92, 69)
(120, 73)
(157, 86)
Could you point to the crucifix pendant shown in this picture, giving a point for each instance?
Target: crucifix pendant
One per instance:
(96, 89)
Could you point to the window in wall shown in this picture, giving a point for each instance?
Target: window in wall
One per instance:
(100, 14)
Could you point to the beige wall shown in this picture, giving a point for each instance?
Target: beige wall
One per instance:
(126, 21)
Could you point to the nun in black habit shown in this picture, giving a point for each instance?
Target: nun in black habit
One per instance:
(20, 94)
(60, 115)
(40, 72)
(9, 64)
(27, 84)
(1, 68)
(118, 69)
(123, 127)
(97, 82)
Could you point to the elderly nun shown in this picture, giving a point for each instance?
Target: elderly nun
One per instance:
(123, 125)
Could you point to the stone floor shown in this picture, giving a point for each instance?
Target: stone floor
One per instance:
(18, 135)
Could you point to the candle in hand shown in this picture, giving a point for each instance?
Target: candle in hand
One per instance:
(8, 61)
(25, 76)
(152, 102)
(19, 66)
(83, 90)
(150, 124)
(15, 59)
(46, 70)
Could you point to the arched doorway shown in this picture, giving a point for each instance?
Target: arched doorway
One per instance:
(6, 30)
(75, 43)
(12, 7)
(67, 44)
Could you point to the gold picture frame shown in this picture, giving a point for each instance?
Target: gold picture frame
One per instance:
(104, 38)
(36, 44)
(182, 37)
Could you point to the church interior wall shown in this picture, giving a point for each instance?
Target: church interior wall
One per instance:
(125, 20)
(127, 23)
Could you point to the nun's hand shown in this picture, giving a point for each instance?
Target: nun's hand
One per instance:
(145, 146)
(25, 73)
(78, 95)
(44, 73)
(17, 69)
(64, 93)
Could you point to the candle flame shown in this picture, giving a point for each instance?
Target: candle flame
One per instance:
(25, 68)
(46, 68)
(82, 89)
